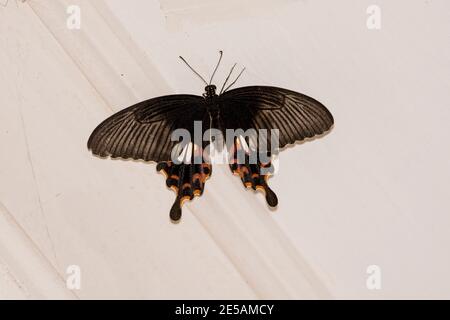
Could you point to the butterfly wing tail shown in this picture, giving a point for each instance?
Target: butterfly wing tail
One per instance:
(271, 197)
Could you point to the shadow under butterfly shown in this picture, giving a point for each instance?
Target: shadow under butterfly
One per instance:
(144, 131)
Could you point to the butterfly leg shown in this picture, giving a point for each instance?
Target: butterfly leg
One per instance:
(187, 180)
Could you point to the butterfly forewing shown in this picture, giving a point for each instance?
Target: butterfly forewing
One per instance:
(295, 115)
(143, 131)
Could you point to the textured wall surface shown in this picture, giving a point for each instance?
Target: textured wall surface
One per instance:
(375, 191)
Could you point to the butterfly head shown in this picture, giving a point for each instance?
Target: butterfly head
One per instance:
(210, 91)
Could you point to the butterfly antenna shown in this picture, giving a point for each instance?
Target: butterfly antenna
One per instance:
(228, 78)
(217, 66)
(235, 80)
(198, 74)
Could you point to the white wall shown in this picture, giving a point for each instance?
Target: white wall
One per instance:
(372, 192)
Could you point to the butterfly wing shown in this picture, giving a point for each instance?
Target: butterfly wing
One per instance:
(295, 115)
(143, 131)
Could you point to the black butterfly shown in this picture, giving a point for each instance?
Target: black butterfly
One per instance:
(143, 131)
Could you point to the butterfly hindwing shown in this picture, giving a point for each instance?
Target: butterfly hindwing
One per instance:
(253, 175)
(186, 179)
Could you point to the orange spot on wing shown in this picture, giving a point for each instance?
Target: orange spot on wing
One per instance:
(184, 199)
